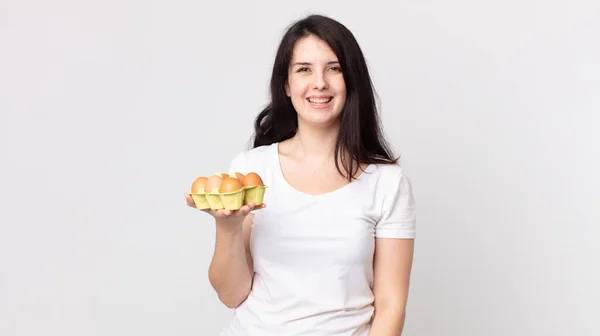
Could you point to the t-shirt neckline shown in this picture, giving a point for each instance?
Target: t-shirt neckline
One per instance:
(287, 185)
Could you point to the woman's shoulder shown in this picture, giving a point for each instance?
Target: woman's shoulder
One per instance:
(394, 191)
(386, 171)
(390, 177)
(253, 159)
(259, 153)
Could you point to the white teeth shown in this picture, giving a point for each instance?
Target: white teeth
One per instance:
(319, 100)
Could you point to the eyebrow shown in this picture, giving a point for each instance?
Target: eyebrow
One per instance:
(308, 63)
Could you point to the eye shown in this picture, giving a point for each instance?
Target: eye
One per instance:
(302, 69)
(336, 68)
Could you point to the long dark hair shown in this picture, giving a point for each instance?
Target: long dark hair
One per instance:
(360, 135)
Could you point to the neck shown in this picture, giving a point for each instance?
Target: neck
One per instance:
(315, 145)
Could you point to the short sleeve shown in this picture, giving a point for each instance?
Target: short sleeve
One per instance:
(238, 163)
(398, 216)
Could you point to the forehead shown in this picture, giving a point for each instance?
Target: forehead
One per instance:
(312, 49)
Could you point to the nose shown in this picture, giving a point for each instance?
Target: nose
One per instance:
(320, 82)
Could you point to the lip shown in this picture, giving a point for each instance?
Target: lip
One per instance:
(319, 96)
(320, 106)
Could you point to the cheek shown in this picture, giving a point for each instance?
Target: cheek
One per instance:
(297, 90)
(299, 83)
(340, 86)
(295, 94)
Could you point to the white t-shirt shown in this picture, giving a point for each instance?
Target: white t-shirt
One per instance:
(313, 255)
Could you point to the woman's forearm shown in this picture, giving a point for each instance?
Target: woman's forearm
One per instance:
(229, 273)
(388, 322)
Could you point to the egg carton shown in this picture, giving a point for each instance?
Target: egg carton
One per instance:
(229, 201)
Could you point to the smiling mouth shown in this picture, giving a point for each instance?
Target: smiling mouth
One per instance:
(319, 100)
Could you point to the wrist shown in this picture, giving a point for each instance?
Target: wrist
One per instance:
(229, 225)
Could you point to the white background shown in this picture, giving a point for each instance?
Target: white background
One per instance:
(110, 109)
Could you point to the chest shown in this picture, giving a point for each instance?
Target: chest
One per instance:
(314, 233)
(310, 180)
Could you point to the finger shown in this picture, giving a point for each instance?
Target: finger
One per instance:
(249, 207)
(244, 210)
(258, 207)
(189, 199)
(224, 213)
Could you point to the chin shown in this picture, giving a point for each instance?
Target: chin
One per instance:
(321, 120)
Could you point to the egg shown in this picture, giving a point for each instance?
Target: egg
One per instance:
(223, 175)
(237, 175)
(213, 183)
(252, 179)
(198, 184)
(230, 184)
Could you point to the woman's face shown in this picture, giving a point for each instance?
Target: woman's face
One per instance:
(316, 83)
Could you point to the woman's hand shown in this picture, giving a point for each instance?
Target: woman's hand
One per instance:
(223, 215)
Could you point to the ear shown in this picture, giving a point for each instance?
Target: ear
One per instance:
(287, 89)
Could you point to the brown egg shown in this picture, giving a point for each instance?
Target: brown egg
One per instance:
(213, 183)
(230, 184)
(223, 175)
(198, 184)
(237, 175)
(252, 179)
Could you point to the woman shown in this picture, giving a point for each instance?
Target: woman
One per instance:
(332, 252)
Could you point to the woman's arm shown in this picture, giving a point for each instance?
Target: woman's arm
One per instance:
(231, 271)
(392, 267)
